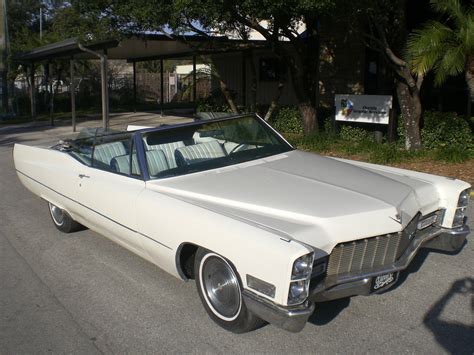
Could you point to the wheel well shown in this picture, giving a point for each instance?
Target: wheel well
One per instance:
(185, 260)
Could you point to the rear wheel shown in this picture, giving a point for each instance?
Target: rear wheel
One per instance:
(62, 220)
(221, 293)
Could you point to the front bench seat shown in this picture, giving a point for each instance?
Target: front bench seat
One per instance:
(121, 164)
(197, 153)
(156, 161)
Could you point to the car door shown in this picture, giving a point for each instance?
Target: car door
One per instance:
(108, 189)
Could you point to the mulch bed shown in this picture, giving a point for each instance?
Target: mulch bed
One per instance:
(462, 171)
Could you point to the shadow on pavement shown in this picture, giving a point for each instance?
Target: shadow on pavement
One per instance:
(454, 336)
(325, 312)
(412, 268)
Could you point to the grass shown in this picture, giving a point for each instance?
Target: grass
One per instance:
(366, 149)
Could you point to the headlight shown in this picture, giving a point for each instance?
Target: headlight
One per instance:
(302, 267)
(464, 198)
(298, 292)
(459, 217)
(300, 276)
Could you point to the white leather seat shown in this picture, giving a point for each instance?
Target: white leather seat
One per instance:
(121, 164)
(196, 153)
(104, 153)
(156, 161)
(168, 149)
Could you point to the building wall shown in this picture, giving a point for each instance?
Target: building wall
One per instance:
(342, 69)
(230, 67)
(342, 61)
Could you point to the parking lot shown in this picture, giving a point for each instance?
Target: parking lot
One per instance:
(82, 293)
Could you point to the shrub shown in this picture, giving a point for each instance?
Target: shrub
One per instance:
(446, 129)
(354, 134)
(386, 154)
(442, 129)
(318, 142)
(288, 120)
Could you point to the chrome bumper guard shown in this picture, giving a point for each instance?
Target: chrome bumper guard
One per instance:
(294, 318)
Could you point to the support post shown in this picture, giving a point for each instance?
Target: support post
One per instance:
(392, 126)
(72, 89)
(104, 83)
(134, 86)
(104, 91)
(244, 82)
(51, 95)
(194, 83)
(162, 94)
(32, 91)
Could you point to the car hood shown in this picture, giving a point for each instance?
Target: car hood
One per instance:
(317, 200)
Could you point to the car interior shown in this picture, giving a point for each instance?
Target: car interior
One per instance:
(176, 151)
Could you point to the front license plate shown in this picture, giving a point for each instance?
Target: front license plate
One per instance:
(382, 281)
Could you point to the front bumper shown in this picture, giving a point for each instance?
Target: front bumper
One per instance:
(352, 284)
(294, 318)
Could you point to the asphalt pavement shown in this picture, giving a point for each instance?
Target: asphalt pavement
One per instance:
(81, 293)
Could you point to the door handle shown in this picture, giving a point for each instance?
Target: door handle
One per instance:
(84, 176)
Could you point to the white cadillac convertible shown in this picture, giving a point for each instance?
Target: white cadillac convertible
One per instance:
(265, 230)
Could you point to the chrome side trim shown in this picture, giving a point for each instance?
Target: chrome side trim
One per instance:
(292, 319)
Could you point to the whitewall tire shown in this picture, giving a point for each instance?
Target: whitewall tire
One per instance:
(220, 290)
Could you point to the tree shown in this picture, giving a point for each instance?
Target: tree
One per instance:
(274, 20)
(60, 20)
(382, 26)
(446, 47)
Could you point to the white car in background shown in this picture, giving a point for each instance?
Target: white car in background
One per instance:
(264, 229)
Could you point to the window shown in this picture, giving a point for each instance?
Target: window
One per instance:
(81, 149)
(109, 151)
(209, 145)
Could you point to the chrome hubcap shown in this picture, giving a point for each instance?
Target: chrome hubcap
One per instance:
(57, 214)
(221, 287)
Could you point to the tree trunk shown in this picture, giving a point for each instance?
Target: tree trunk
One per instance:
(253, 81)
(228, 96)
(224, 89)
(301, 84)
(274, 103)
(308, 113)
(470, 83)
(410, 107)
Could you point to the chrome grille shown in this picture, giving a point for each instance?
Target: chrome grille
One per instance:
(370, 253)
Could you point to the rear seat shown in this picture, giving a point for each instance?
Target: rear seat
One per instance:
(168, 149)
(156, 161)
(196, 153)
(106, 152)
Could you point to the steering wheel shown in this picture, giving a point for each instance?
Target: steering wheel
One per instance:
(236, 147)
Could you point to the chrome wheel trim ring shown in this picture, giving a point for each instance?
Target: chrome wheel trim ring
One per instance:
(220, 287)
(57, 214)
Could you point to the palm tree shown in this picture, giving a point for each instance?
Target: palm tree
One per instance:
(447, 46)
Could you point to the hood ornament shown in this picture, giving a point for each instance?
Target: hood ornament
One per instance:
(397, 218)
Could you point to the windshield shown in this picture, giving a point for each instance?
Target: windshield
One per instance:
(209, 145)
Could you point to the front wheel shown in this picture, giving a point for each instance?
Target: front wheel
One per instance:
(62, 220)
(221, 293)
